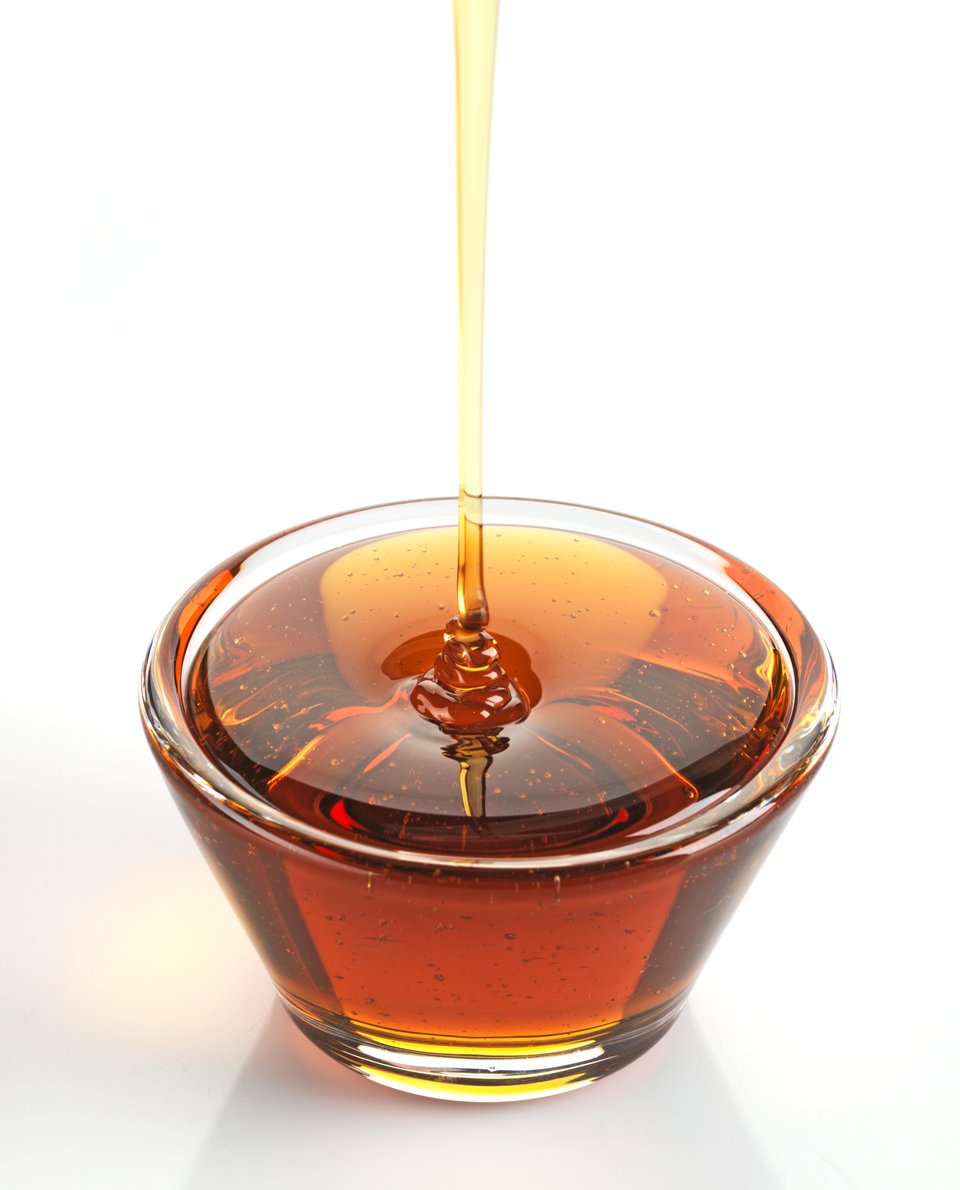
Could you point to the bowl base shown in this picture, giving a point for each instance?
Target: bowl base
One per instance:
(486, 1073)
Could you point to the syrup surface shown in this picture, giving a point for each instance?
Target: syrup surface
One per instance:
(651, 691)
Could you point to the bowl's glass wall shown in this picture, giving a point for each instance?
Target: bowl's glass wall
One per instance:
(479, 957)
(379, 949)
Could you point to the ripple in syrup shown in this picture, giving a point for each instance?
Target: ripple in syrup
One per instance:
(649, 691)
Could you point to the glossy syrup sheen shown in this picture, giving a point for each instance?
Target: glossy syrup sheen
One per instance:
(651, 691)
(475, 43)
(625, 693)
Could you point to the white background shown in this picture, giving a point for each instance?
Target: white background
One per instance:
(723, 294)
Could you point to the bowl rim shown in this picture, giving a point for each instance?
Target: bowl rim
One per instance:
(809, 734)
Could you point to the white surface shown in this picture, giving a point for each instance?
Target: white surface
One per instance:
(723, 294)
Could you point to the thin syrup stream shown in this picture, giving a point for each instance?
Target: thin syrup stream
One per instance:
(475, 36)
(467, 692)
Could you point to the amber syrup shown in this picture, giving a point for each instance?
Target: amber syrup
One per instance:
(650, 692)
(582, 695)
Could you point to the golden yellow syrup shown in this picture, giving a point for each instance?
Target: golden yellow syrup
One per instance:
(475, 33)
(468, 692)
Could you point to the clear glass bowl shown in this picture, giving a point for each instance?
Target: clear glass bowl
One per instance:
(671, 890)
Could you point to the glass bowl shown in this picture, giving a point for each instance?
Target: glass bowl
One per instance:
(350, 929)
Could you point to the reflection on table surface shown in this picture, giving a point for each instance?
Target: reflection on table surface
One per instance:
(668, 1120)
(163, 1061)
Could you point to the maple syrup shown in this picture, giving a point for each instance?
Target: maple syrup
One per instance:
(648, 691)
(472, 860)
(468, 691)
(651, 691)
